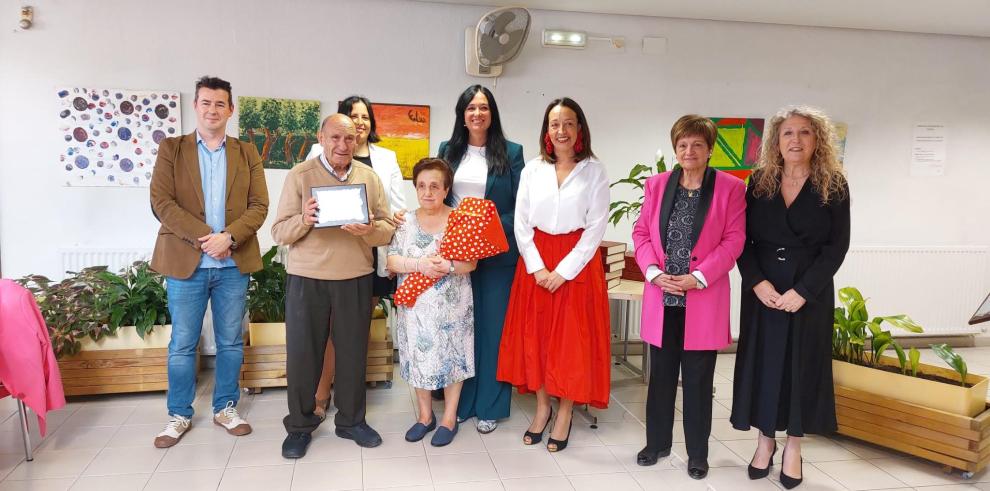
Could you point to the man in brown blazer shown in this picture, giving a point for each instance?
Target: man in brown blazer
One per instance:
(208, 191)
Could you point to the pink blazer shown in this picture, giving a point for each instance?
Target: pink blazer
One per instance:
(723, 234)
(28, 368)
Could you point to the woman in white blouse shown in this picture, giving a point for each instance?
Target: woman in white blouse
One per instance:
(386, 166)
(556, 336)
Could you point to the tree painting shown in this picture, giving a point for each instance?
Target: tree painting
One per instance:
(281, 129)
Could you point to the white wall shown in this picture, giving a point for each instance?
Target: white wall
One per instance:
(880, 83)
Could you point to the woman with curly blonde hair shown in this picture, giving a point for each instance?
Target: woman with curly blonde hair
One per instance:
(797, 235)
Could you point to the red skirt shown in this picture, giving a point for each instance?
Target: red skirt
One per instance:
(558, 341)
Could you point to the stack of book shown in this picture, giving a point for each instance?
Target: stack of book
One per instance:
(614, 259)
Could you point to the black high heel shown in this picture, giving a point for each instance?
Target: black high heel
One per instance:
(535, 438)
(756, 472)
(561, 444)
(788, 481)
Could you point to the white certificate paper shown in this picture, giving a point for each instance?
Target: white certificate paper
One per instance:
(341, 205)
(928, 145)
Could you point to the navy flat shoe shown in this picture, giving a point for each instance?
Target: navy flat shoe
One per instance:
(443, 436)
(419, 430)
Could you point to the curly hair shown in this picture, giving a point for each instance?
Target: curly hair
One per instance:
(826, 176)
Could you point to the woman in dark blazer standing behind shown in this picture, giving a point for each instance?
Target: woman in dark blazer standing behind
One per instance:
(486, 165)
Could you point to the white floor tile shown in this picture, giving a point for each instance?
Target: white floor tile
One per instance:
(587, 460)
(8, 461)
(402, 471)
(858, 475)
(195, 457)
(465, 467)
(623, 433)
(197, 480)
(537, 484)
(395, 445)
(612, 482)
(257, 453)
(327, 476)
(78, 437)
(626, 455)
(99, 416)
(117, 482)
(916, 472)
(331, 449)
(266, 478)
(516, 464)
(470, 486)
(670, 479)
(128, 460)
(37, 485)
(718, 455)
(54, 464)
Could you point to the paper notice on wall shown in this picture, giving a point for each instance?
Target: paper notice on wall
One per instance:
(928, 149)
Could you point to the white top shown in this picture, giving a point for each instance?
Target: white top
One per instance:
(386, 166)
(580, 202)
(472, 175)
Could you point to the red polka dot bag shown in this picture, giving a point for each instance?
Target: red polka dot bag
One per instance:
(474, 231)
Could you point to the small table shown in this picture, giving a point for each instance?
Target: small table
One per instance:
(628, 291)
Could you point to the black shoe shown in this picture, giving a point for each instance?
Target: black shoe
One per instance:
(535, 438)
(560, 444)
(362, 434)
(697, 468)
(437, 394)
(756, 472)
(294, 446)
(647, 457)
(788, 481)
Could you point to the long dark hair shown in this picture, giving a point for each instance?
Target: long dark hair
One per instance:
(584, 134)
(345, 106)
(495, 144)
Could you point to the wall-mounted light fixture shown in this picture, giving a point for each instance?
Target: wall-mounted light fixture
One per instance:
(564, 39)
(558, 38)
(27, 17)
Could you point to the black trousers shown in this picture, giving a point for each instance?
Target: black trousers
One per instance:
(699, 372)
(308, 305)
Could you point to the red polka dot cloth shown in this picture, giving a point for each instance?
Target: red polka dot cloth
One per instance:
(474, 231)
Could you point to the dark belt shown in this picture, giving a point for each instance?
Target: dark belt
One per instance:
(783, 253)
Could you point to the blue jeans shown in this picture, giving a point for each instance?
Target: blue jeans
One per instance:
(226, 289)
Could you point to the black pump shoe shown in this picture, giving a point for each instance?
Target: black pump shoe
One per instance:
(647, 457)
(535, 438)
(756, 472)
(560, 444)
(788, 481)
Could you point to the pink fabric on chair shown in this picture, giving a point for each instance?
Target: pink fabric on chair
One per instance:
(28, 368)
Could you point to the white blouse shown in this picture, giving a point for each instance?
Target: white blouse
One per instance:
(580, 202)
(471, 176)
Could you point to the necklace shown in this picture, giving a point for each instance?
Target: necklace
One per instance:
(795, 180)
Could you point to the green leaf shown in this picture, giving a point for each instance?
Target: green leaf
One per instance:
(903, 322)
(848, 295)
(901, 357)
(953, 359)
(914, 356)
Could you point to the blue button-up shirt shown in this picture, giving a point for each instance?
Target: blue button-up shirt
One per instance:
(213, 171)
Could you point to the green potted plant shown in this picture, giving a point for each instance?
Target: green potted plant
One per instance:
(74, 309)
(266, 302)
(903, 378)
(622, 209)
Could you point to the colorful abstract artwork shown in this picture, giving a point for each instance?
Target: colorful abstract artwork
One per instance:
(110, 137)
(840, 140)
(737, 146)
(405, 130)
(282, 129)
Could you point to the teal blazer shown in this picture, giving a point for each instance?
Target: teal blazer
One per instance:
(502, 191)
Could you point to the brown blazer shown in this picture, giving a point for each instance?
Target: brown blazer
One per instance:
(177, 202)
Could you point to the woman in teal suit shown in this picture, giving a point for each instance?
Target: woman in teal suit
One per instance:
(486, 165)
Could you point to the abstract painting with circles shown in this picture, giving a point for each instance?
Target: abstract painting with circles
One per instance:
(110, 137)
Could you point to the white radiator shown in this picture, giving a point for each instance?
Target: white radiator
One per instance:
(77, 258)
(939, 287)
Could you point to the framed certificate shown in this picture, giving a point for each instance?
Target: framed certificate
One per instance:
(341, 205)
(982, 313)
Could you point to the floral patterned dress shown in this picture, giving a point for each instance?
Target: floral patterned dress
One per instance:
(435, 337)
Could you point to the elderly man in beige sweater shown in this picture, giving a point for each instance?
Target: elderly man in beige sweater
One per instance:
(330, 273)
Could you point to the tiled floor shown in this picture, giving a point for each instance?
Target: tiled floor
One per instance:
(104, 443)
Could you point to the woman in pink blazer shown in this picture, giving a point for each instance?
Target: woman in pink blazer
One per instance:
(688, 236)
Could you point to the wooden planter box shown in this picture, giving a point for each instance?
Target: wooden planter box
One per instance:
(956, 441)
(964, 401)
(122, 363)
(264, 365)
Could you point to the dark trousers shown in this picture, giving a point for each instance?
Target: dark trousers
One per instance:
(699, 371)
(308, 306)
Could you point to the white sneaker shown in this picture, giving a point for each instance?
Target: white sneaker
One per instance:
(231, 421)
(176, 427)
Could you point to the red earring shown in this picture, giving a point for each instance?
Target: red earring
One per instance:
(548, 143)
(579, 143)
